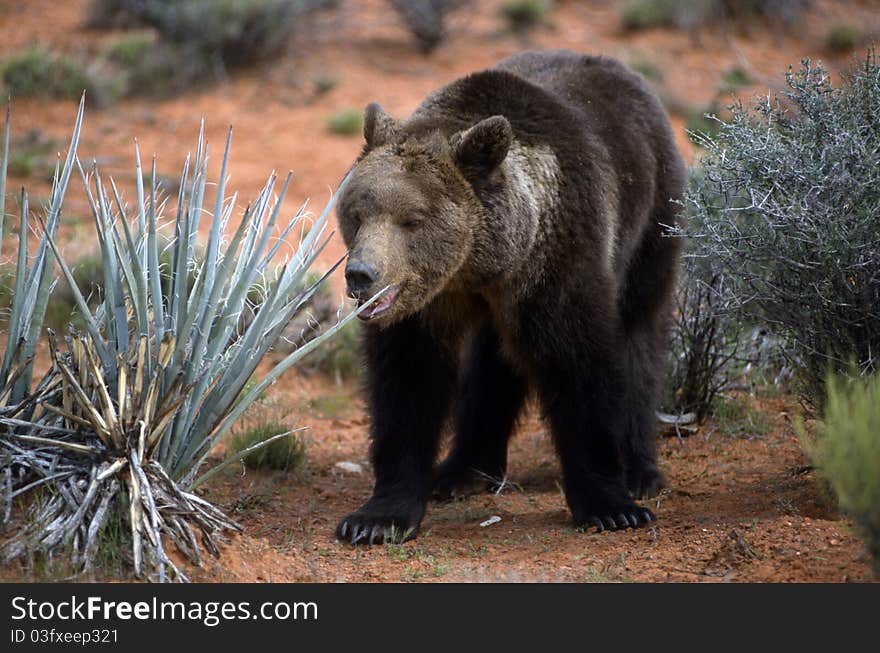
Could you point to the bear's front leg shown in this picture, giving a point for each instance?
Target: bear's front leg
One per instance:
(410, 383)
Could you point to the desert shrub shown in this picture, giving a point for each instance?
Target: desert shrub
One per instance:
(201, 40)
(36, 72)
(787, 210)
(523, 15)
(843, 37)
(286, 453)
(425, 19)
(846, 449)
(347, 122)
(689, 14)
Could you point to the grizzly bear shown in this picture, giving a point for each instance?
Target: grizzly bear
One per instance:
(517, 225)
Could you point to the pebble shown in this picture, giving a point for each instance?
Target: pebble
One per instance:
(347, 466)
(494, 519)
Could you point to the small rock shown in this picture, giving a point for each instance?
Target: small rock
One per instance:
(494, 519)
(347, 466)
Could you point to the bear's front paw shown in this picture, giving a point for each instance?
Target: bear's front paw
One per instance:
(382, 521)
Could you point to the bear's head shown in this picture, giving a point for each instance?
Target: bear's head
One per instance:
(410, 212)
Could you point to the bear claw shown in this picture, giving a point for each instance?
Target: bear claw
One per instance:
(641, 517)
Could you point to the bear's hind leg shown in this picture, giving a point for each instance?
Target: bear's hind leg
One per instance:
(643, 477)
(581, 389)
(491, 396)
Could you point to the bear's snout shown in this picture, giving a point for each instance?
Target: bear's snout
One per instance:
(359, 277)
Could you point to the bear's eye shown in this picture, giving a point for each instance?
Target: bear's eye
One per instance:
(410, 223)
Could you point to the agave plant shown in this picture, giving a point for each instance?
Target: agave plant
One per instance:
(127, 415)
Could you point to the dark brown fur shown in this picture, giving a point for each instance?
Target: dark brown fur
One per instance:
(519, 215)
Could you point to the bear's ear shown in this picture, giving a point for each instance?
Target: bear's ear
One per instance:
(482, 148)
(379, 127)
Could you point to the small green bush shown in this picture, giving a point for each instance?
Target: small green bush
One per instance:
(323, 84)
(36, 72)
(523, 15)
(286, 454)
(129, 50)
(347, 122)
(734, 79)
(787, 211)
(843, 37)
(847, 451)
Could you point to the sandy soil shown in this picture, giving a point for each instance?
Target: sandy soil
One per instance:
(740, 509)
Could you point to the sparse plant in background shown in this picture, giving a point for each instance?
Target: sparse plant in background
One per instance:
(523, 15)
(734, 79)
(323, 84)
(788, 213)
(347, 122)
(425, 19)
(124, 420)
(650, 71)
(196, 40)
(129, 50)
(846, 449)
(843, 37)
(691, 14)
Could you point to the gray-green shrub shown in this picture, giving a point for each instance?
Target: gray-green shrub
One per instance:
(787, 211)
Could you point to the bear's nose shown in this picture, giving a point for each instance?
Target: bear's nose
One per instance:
(359, 277)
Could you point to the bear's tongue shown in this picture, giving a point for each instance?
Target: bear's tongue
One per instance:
(379, 307)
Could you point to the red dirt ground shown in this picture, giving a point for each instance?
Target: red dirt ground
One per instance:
(737, 509)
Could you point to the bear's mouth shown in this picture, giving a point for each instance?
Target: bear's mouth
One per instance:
(381, 306)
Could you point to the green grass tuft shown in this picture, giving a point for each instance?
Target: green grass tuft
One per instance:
(36, 72)
(347, 122)
(734, 79)
(286, 454)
